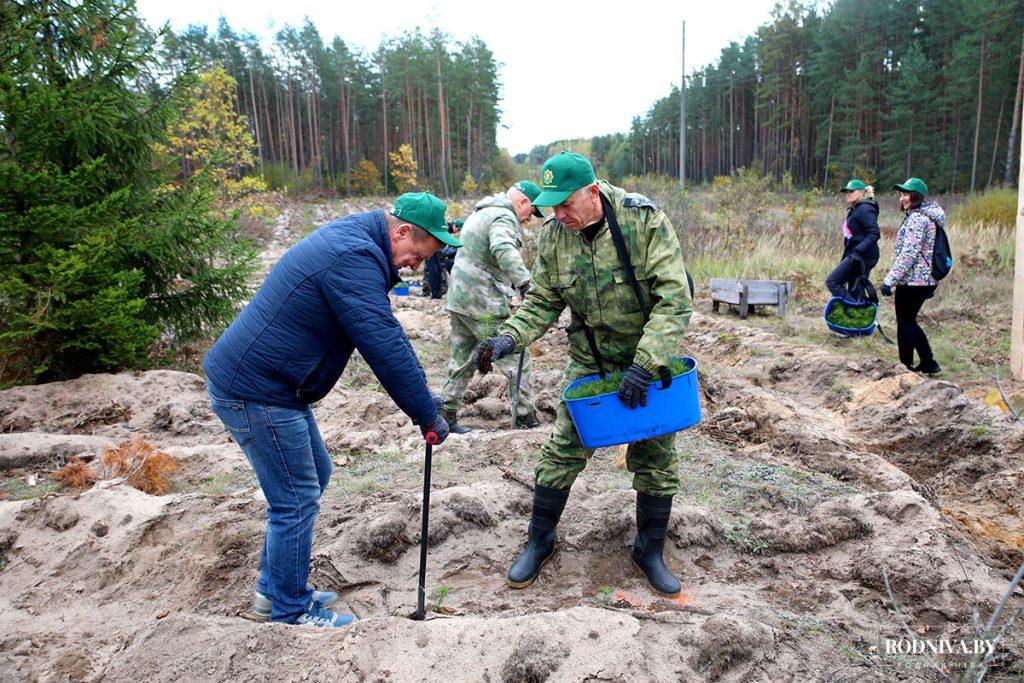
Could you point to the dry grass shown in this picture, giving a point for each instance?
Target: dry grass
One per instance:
(75, 474)
(140, 463)
(746, 229)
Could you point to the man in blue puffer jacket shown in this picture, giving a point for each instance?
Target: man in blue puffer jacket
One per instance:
(327, 296)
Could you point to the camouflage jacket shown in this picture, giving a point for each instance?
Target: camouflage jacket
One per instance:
(488, 267)
(589, 279)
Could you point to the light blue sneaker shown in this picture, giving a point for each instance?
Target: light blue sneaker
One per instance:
(262, 606)
(319, 616)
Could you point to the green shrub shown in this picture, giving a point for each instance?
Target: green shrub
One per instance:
(851, 317)
(995, 207)
(99, 254)
(612, 380)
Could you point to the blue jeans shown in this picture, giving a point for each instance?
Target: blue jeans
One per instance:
(285, 449)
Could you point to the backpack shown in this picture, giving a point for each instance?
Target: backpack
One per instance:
(942, 256)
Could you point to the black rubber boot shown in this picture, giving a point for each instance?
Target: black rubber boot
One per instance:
(528, 422)
(548, 504)
(652, 514)
(452, 418)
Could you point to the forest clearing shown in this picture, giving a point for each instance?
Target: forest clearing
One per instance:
(330, 359)
(803, 482)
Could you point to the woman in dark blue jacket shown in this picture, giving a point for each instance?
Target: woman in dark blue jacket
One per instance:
(860, 241)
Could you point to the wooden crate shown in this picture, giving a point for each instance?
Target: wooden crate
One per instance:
(747, 293)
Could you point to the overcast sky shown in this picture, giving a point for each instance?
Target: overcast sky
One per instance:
(568, 69)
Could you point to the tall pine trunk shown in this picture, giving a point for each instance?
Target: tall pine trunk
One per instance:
(443, 123)
(384, 117)
(343, 119)
(256, 122)
(977, 123)
(1011, 147)
(995, 142)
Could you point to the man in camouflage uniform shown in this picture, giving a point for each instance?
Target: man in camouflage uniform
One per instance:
(488, 270)
(578, 266)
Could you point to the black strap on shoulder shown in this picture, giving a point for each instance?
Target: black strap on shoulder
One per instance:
(620, 247)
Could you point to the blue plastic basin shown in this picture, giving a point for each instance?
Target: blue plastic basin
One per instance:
(850, 331)
(603, 421)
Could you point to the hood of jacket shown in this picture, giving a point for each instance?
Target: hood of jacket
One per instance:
(933, 211)
(868, 203)
(499, 200)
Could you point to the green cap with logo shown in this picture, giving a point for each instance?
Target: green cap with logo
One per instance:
(913, 185)
(426, 211)
(531, 190)
(855, 185)
(562, 175)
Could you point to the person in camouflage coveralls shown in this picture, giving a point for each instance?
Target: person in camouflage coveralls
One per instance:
(487, 272)
(578, 267)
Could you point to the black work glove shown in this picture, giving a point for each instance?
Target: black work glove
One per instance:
(886, 290)
(437, 399)
(857, 262)
(524, 288)
(633, 390)
(491, 350)
(439, 426)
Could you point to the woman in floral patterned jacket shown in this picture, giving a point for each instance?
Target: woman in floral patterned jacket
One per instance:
(910, 277)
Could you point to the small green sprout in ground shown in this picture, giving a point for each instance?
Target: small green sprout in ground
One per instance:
(851, 317)
(982, 431)
(611, 382)
(604, 595)
(439, 596)
(739, 534)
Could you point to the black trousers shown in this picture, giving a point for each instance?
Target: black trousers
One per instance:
(432, 271)
(909, 335)
(845, 274)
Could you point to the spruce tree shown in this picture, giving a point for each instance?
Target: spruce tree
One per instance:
(99, 254)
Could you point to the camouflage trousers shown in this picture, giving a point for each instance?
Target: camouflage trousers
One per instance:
(653, 462)
(467, 332)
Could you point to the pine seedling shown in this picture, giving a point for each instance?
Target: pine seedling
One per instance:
(439, 596)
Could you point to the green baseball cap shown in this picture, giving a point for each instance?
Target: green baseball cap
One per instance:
(913, 185)
(531, 190)
(854, 185)
(426, 211)
(562, 175)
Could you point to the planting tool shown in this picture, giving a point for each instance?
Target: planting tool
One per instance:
(431, 439)
(515, 398)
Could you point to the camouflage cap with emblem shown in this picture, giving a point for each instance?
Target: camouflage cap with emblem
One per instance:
(426, 211)
(562, 175)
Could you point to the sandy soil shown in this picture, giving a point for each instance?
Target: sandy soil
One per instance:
(808, 475)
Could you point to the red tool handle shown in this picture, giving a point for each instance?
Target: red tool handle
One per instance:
(431, 438)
